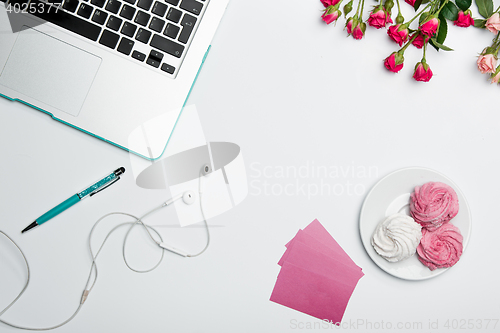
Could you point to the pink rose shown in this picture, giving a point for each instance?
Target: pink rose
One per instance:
(394, 62)
(433, 204)
(464, 20)
(410, 2)
(398, 33)
(495, 77)
(422, 72)
(486, 63)
(379, 18)
(440, 248)
(349, 25)
(493, 23)
(419, 41)
(430, 27)
(327, 3)
(331, 15)
(359, 30)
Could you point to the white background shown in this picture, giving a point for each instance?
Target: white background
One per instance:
(292, 92)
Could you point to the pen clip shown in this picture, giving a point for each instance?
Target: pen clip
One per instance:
(105, 187)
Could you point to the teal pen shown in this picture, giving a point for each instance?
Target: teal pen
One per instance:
(88, 192)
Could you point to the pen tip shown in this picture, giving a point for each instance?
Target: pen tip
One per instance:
(31, 226)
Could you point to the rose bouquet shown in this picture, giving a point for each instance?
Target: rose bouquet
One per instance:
(429, 26)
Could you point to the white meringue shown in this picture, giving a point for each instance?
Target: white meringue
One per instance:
(397, 237)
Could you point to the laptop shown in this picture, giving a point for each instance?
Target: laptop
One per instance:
(119, 70)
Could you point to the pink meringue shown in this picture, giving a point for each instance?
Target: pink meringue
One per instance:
(433, 204)
(440, 248)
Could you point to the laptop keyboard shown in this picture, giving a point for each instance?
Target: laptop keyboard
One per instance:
(156, 33)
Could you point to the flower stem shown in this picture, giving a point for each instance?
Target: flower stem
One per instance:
(402, 50)
(418, 14)
(399, 9)
(444, 4)
(425, 49)
(361, 14)
(357, 10)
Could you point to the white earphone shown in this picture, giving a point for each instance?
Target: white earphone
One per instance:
(188, 197)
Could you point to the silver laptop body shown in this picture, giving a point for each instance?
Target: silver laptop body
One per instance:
(127, 88)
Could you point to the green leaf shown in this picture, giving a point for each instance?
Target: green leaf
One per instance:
(450, 11)
(422, 18)
(463, 4)
(442, 30)
(439, 45)
(485, 7)
(478, 23)
(417, 4)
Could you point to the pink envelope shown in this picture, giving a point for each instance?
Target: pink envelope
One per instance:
(317, 237)
(311, 293)
(336, 253)
(305, 257)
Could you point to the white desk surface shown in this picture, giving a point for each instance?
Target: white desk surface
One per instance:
(292, 93)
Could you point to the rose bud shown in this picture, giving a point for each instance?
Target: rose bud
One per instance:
(493, 23)
(430, 26)
(349, 25)
(464, 19)
(486, 62)
(328, 3)
(398, 33)
(422, 72)
(359, 31)
(394, 62)
(347, 8)
(410, 2)
(495, 77)
(420, 40)
(379, 17)
(331, 14)
(388, 4)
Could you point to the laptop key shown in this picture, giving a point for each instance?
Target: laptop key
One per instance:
(99, 17)
(167, 68)
(171, 31)
(157, 24)
(187, 23)
(113, 6)
(138, 56)
(85, 11)
(154, 58)
(173, 2)
(125, 46)
(142, 18)
(98, 3)
(143, 36)
(192, 6)
(145, 4)
(114, 23)
(109, 39)
(67, 21)
(159, 9)
(132, 2)
(71, 5)
(127, 12)
(167, 46)
(174, 15)
(129, 29)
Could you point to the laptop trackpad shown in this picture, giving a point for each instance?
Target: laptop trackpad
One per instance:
(50, 71)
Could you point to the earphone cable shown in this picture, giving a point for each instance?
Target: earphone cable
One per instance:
(93, 266)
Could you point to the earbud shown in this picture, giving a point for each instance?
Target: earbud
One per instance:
(206, 170)
(189, 197)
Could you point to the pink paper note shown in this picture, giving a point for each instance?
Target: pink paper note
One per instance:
(336, 253)
(303, 256)
(317, 237)
(311, 293)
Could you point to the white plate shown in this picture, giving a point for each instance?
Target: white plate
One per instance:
(391, 195)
